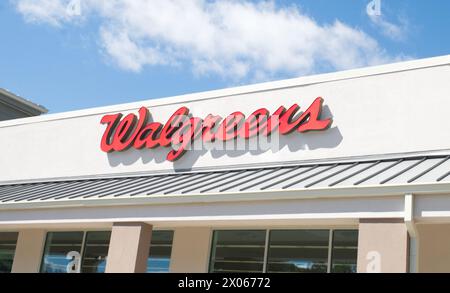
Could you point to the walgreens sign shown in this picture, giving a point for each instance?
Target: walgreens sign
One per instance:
(182, 129)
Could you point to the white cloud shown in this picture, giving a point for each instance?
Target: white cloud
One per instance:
(53, 12)
(376, 12)
(396, 32)
(236, 39)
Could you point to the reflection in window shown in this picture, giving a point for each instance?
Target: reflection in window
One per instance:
(57, 247)
(8, 243)
(238, 251)
(95, 252)
(345, 251)
(160, 252)
(298, 251)
(63, 251)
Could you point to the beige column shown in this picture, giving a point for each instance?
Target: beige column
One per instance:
(382, 246)
(29, 251)
(190, 250)
(434, 248)
(129, 248)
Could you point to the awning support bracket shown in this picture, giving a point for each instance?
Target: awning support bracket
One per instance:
(409, 215)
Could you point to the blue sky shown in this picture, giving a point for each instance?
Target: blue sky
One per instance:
(118, 51)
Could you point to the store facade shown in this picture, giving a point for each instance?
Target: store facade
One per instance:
(342, 172)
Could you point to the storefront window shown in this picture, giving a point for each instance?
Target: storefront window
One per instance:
(160, 252)
(61, 252)
(8, 243)
(285, 251)
(298, 251)
(95, 252)
(345, 251)
(64, 250)
(238, 251)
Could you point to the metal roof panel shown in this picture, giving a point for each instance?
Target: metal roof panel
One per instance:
(390, 171)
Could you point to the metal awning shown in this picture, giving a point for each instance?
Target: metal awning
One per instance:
(383, 172)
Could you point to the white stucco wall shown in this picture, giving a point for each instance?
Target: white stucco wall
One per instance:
(397, 108)
(238, 213)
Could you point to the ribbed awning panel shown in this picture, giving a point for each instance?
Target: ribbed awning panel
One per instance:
(383, 172)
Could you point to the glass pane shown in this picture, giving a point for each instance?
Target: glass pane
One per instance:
(345, 251)
(160, 251)
(57, 248)
(298, 251)
(238, 251)
(8, 243)
(95, 252)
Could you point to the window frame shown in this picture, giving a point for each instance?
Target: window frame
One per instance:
(212, 248)
(15, 246)
(267, 241)
(83, 248)
(83, 243)
(332, 247)
(171, 248)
